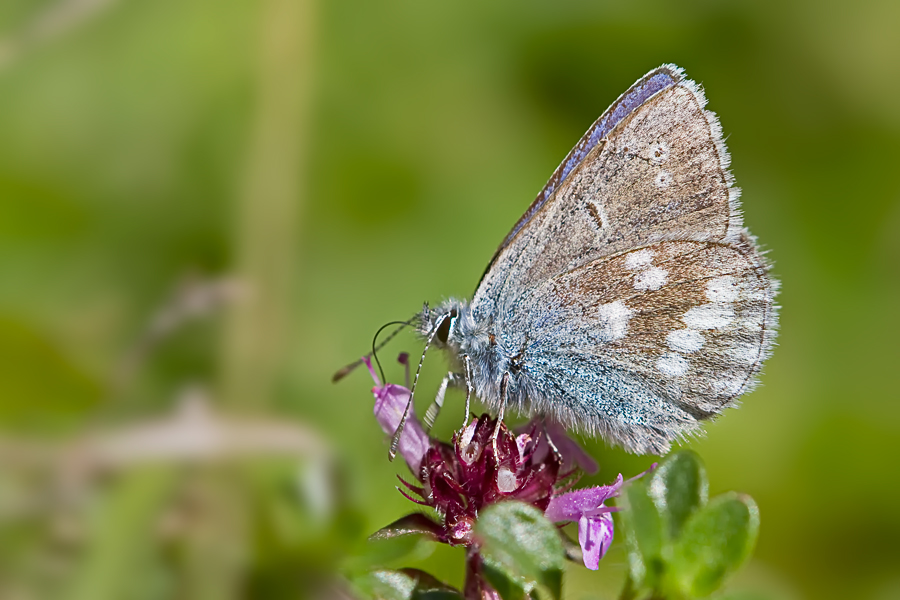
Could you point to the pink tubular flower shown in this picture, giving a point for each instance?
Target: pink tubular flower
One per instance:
(459, 479)
(390, 402)
(595, 524)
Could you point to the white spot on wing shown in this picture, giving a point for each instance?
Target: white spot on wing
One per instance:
(639, 260)
(757, 294)
(663, 180)
(651, 279)
(722, 289)
(744, 353)
(614, 316)
(709, 316)
(672, 365)
(630, 148)
(659, 152)
(685, 340)
(728, 386)
(752, 323)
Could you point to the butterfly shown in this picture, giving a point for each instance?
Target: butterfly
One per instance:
(629, 302)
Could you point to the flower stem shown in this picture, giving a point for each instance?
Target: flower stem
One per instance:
(628, 590)
(476, 587)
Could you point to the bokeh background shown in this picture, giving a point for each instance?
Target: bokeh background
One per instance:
(208, 207)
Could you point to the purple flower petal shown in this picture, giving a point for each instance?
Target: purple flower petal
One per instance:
(571, 506)
(390, 402)
(595, 534)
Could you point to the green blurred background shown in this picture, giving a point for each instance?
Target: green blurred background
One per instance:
(207, 207)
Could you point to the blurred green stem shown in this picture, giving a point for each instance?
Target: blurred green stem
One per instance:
(216, 550)
(268, 209)
(113, 561)
(265, 247)
(628, 590)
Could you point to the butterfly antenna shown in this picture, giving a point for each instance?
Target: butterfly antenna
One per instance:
(395, 441)
(344, 371)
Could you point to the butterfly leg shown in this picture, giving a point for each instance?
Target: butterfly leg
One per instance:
(550, 443)
(454, 379)
(504, 384)
(468, 366)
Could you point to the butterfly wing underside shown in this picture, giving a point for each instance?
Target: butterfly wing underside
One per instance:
(641, 346)
(639, 302)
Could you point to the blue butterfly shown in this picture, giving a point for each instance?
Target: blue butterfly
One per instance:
(629, 301)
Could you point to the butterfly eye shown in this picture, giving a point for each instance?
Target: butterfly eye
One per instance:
(443, 331)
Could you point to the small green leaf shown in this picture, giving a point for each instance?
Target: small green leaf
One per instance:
(714, 543)
(645, 535)
(504, 583)
(428, 587)
(412, 524)
(678, 488)
(518, 541)
(405, 584)
(390, 585)
(747, 595)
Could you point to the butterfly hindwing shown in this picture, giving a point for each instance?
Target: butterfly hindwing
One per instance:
(660, 338)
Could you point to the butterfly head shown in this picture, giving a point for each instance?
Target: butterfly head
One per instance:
(441, 324)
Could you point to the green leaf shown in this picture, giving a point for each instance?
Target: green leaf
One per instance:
(113, 560)
(504, 583)
(430, 588)
(519, 542)
(714, 543)
(747, 595)
(678, 488)
(389, 585)
(43, 386)
(405, 584)
(412, 524)
(645, 535)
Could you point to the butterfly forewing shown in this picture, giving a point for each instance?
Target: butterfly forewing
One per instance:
(648, 85)
(660, 174)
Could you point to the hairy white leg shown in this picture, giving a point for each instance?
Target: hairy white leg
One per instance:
(504, 384)
(468, 366)
(454, 379)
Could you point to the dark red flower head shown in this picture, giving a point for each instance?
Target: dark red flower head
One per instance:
(486, 463)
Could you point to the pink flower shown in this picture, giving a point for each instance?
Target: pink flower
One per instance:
(595, 525)
(476, 469)
(390, 402)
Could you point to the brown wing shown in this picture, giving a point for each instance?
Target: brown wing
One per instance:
(648, 85)
(660, 173)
